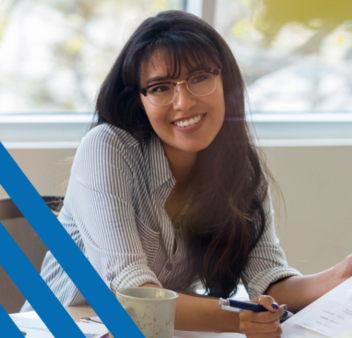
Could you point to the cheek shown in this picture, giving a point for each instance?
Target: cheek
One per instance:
(148, 108)
(156, 115)
(217, 102)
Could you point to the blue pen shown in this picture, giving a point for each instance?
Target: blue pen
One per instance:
(240, 306)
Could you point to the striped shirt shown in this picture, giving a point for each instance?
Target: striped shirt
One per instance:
(114, 211)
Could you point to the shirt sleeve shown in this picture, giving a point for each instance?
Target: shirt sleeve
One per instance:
(267, 261)
(100, 196)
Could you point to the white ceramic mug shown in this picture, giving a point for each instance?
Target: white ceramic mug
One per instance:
(152, 310)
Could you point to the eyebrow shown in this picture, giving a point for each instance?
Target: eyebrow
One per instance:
(163, 78)
(157, 79)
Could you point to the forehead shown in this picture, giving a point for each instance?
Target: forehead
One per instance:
(162, 63)
(156, 64)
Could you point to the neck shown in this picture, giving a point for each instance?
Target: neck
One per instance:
(181, 164)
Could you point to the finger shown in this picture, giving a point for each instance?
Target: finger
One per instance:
(253, 327)
(263, 317)
(268, 302)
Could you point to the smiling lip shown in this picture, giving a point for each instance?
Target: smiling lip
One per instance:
(187, 118)
(191, 128)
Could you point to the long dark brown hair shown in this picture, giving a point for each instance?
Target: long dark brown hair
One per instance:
(226, 217)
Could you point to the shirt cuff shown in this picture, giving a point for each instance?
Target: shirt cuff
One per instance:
(134, 276)
(260, 283)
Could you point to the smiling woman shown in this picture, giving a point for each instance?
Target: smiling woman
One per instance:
(173, 108)
(168, 189)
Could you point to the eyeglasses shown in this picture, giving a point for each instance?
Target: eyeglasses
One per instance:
(200, 84)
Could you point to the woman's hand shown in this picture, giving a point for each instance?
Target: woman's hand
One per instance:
(262, 324)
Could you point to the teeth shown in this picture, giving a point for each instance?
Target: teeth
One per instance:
(189, 122)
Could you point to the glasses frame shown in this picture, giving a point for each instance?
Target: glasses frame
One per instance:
(144, 90)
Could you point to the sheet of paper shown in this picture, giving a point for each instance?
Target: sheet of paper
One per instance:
(329, 316)
(331, 320)
(96, 319)
(35, 328)
(92, 328)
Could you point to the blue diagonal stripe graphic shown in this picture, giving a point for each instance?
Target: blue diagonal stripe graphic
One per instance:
(34, 288)
(8, 327)
(64, 250)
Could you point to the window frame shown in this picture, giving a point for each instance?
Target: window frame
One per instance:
(65, 130)
(271, 130)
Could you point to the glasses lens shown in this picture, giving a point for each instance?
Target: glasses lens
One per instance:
(161, 94)
(202, 84)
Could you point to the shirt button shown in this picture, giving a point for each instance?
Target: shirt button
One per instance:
(169, 266)
(110, 276)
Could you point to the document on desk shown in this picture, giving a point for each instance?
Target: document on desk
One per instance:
(35, 328)
(329, 316)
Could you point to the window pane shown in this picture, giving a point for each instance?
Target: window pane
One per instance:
(54, 54)
(296, 55)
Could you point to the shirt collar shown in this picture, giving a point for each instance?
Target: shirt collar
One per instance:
(160, 171)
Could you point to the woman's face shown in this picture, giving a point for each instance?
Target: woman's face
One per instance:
(209, 110)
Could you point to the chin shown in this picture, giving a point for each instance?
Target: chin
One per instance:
(195, 147)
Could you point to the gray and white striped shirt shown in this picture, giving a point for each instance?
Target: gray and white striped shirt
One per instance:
(114, 211)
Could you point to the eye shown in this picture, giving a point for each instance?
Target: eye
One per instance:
(199, 78)
(158, 89)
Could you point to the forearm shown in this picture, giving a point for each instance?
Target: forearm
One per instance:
(299, 291)
(203, 314)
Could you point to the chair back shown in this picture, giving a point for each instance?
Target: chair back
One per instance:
(30, 243)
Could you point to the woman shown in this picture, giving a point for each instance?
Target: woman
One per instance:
(168, 190)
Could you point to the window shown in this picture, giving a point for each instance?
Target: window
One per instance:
(296, 55)
(54, 54)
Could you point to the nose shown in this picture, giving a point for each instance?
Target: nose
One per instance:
(183, 100)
